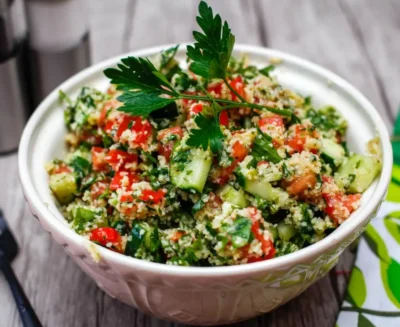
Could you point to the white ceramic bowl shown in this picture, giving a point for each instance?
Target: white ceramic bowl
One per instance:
(197, 295)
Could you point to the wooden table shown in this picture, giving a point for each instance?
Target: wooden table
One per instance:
(357, 39)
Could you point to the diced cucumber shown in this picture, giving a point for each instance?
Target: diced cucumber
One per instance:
(63, 186)
(285, 232)
(229, 194)
(274, 232)
(189, 168)
(263, 189)
(332, 152)
(358, 172)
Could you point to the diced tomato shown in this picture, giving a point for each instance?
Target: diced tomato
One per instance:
(238, 85)
(267, 245)
(98, 158)
(125, 122)
(263, 162)
(91, 138)
(216, 88)
(195, 109)
(268, 121)
(126, 198)
(103, 116)
(177, 236)
(340, 206)
(109, 105)
(166, 146)
(302, 183)
(239, 152)
(298, 139)
(123, 179)
(222, 174)
(224, 118)
(61, 168)
(109, 126)
(98, 189)
(153, 196)
(121, 160)
(141, 127)
(349, 201)
(105, 236)
(176, 130)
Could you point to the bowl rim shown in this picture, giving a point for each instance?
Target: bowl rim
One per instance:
(279, 263)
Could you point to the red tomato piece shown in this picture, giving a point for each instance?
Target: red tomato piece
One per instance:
(340, 206)
(123, 179)
(224, 118)
(141, 127)
(98, 158)
(152, 196)
(121, 160)
(98, 189)
(267, 245)
(239, 152)
(109, 105)
(91, 138)
(238, 85)
(61, 168)
(195, 109)
(216, 88)
(274, 121)
(298, 139)
(107, 235)
(109, 126)
(177, 236)
(222, 174)
(176, 130)
(165, 146)
(126, 198)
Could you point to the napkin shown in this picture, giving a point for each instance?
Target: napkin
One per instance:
(373, 292)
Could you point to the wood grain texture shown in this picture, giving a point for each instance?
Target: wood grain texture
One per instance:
(355, 39)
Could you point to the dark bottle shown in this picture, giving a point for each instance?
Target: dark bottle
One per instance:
(15, 105)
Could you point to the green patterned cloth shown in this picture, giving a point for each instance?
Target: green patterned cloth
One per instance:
(373, 294)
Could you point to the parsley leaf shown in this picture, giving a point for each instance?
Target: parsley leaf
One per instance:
(212, 50)
(207, 135)
(143, 85)
(240, 231)
(167, 56)
(267, 70)
(263, 148)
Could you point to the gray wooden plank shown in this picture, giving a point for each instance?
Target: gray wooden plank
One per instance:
(321, 32)
(376, 27)
(51, 280)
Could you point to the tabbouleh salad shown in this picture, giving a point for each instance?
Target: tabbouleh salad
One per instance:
(216, 164)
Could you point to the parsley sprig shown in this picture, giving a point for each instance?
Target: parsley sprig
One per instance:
(145, 89)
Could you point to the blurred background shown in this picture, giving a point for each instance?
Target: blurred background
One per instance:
(43, 42)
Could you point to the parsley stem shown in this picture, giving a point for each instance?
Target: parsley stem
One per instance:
(233, 90)
(235, 104)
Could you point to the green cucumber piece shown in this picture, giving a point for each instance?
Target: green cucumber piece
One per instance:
(332, 152)
(358, 172)
(63, 186)
(285, 232)
(189, 171)
(229, 194)
(263, 189)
